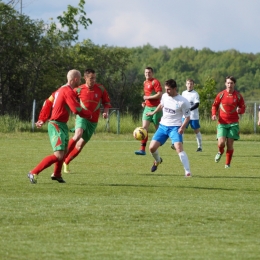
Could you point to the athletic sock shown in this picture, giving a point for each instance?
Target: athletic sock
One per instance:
(199, 139)
(229, 155)
(57, 168)
(185, 161)
(221, 149)
(45, 163)
(143, 143)
(71, 146)
(72, 155)
(156, 156)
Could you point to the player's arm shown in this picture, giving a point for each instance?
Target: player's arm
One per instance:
(76, 108)
(158, 95)
(45, 112)
(241, 108)
(158, 109)
(106, 104)
(215, 107)
(184, 124)
(186, 114)
(196, 105)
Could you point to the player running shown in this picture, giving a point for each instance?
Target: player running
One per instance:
(229, 103)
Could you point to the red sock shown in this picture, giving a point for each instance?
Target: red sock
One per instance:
(57, 168)
(221, 149)
(143, 144)
(71, 146)
(45, 163)
(229, 155)
(72, 155)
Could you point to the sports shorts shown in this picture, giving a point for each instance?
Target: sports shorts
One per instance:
(194, 123)
(59, 135)
(156, 118)
(88, 127)
(164, 132)
(228, 131)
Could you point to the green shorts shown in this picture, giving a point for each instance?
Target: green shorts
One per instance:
(228, 130)
(156, 118)
(88, 127)
(59, 135)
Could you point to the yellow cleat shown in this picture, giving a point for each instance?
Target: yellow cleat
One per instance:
(66, 168)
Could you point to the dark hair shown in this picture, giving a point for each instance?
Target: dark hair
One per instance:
(231, 78)
(190, 80)
(149, 68)
(88, 71)
(171, 83)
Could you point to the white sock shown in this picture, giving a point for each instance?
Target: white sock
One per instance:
(156, 156)
(185, 161)
(199, 139)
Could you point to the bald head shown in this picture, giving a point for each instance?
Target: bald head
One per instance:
(74, 77)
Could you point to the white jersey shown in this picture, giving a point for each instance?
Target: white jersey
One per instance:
(193, 97)
(174, 108)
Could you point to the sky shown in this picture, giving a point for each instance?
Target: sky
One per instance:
(215, 24)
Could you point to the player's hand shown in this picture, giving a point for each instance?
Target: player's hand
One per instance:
(149, 114)
(39, 123)
(214, 117)
(238, 110)
(105, 115)
(146, 97)
(180, 130)
(143, 104)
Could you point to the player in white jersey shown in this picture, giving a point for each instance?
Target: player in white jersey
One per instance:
(193, 97)
(174, 107)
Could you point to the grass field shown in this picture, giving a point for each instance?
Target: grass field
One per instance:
(113, 207)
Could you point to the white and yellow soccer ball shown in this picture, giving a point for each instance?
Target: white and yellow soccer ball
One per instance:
(140, 133)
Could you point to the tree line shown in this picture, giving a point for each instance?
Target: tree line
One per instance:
(36, 56)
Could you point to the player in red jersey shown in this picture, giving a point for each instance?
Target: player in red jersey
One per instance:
(92, 95)
(152, 97)
(57, 109)
(229, 103)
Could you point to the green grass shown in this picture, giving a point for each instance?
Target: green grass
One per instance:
(113, 207)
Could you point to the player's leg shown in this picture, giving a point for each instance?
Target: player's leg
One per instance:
(89, 129)
(72, 142)
(146, 122)
(195, 125)
(158, 139)
(221, 137)
(58, 134)
(233, 134)
(177, 140)
(187, 126)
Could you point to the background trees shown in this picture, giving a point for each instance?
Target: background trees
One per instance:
(35, 58)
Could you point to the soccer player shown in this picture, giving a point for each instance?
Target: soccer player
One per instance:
(56, 108)
(174, 107)
(152, 96)
(229, 103)
(91, 95)
(193, 97)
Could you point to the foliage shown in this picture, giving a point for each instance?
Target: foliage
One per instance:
(207, 95)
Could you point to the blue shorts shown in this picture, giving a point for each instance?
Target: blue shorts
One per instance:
(164, 132)
(194, 124)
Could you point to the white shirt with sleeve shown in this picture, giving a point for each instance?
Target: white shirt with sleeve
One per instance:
(193, 97)
(174, 108)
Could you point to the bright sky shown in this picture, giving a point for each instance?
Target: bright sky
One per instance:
(215, 24)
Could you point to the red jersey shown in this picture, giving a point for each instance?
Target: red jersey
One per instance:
(151, 87)
(63, 101)
(227, 104)
(92, 99)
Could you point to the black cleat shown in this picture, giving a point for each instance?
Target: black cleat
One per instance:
(59, 179)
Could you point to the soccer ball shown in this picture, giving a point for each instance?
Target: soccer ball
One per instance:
(140, 133)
